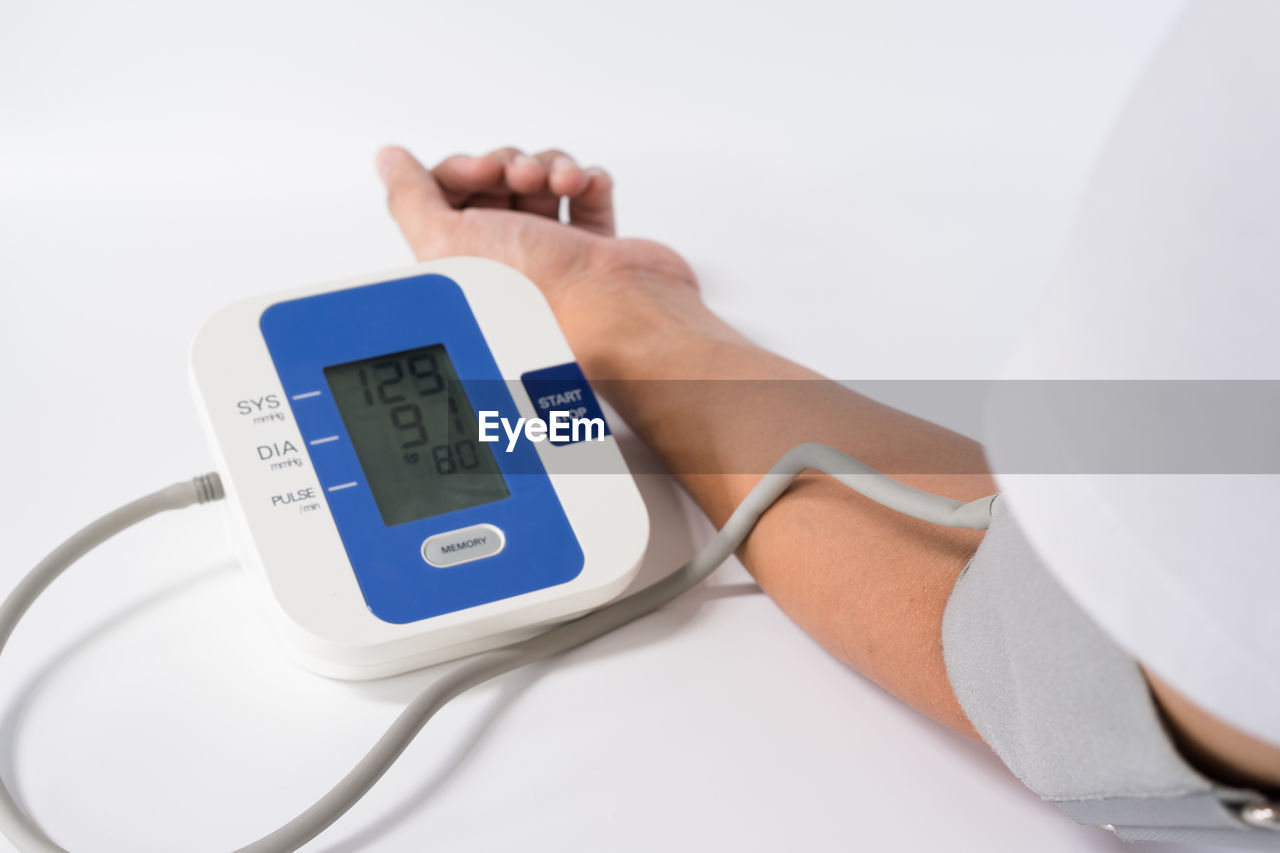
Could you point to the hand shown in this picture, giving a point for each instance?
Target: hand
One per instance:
(506, 206)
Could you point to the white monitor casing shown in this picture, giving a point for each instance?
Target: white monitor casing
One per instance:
(301, 557)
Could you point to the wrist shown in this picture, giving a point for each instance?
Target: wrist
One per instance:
(635, 327)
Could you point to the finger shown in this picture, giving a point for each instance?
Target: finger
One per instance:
(525, 175)
(505, 154)
(592, 209)
(541, 198)
(564, 176)
(414, 198)
(462, 177)
(500, 194)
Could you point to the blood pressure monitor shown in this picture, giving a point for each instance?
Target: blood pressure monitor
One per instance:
(352, 428)
(346, 422)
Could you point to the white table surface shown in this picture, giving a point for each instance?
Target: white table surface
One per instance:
(912, 164)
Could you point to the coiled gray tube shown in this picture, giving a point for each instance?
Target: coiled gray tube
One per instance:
(28, 837)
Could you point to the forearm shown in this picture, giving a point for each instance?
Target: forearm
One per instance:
(867, 583)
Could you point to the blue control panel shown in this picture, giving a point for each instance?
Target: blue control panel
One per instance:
(496, 529)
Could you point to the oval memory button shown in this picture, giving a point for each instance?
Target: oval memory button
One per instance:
(463, 545)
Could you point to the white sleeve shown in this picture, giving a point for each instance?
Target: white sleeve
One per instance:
(1171, 273)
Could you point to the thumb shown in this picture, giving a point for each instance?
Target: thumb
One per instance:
(414, 198)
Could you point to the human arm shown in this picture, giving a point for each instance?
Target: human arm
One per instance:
(868, 584)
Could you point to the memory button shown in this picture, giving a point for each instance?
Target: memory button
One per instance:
(463, 545)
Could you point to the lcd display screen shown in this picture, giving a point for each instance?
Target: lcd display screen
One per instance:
(415, 434)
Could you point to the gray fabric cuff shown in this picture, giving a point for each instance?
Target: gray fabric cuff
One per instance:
(1068, 711)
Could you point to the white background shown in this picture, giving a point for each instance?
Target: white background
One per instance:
(874, 189)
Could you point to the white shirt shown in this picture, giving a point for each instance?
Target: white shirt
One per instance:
(1173, 272)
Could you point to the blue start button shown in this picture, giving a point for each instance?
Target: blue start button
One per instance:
(563, 388)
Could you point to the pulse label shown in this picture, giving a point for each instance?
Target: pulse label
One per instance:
(296, 496)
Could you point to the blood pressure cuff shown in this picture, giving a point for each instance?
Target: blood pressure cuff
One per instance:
(1070, 713)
